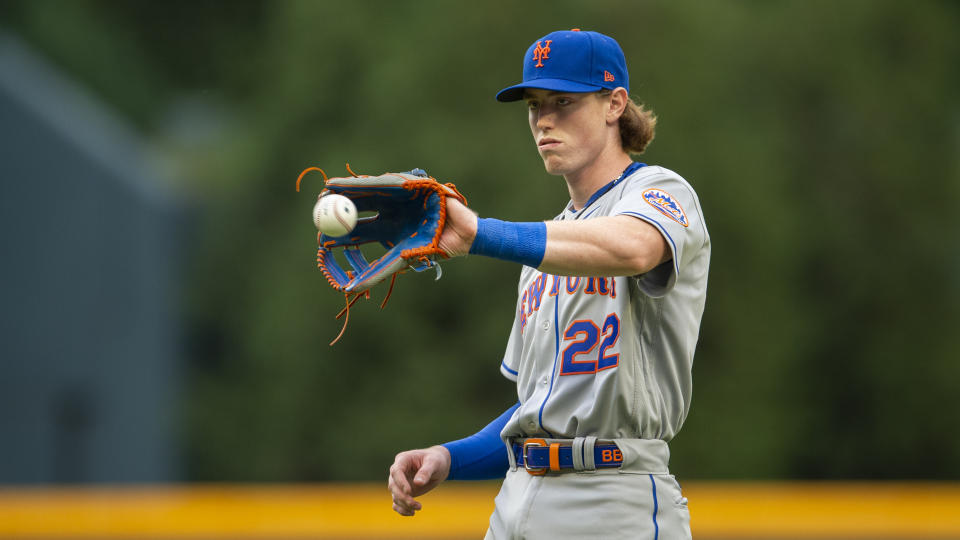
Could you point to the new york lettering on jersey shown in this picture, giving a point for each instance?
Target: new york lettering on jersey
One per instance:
(533, 295)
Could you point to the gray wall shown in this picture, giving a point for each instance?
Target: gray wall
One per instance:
(88, 340)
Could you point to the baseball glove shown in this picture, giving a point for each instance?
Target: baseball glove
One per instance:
(410, 214)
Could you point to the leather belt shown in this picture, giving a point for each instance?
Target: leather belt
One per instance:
(538, 456)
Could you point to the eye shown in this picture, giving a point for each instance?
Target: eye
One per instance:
(533, 105)
(564, 101)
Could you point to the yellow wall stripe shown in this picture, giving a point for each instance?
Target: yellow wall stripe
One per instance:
(461, 510)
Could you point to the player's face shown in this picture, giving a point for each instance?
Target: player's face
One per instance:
(570, 129)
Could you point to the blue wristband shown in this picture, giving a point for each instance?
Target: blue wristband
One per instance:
(523, 243)
(481, 456)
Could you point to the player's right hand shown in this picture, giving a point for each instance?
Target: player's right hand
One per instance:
(414, 473)
(460, 229)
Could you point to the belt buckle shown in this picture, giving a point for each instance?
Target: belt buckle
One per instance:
(534, 471)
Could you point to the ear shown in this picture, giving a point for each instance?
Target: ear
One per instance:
(618, 104)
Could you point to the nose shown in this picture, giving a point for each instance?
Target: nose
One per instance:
(544, 118)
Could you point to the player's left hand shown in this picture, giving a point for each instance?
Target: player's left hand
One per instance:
(460, 230)
(414, 473)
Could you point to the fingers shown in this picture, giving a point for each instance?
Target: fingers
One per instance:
(405, 505)
(405, 510)
(399, 485)
(423, 475)
(404, 502)
(400, 488)
(397, 481)
(422, 478)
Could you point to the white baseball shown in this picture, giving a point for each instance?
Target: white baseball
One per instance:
(334, 215)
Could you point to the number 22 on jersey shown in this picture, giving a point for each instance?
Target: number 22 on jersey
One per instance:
(583, 336)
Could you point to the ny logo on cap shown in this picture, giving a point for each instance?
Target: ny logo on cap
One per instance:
(541, 53)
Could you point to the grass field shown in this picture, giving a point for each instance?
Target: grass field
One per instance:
(779, 511)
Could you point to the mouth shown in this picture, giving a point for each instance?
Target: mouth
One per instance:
(547, 143)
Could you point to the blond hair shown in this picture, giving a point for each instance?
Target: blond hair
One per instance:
(637, 125)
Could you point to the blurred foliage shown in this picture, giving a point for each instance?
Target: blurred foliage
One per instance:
(822, 137)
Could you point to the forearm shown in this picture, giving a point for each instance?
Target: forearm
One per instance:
(606, 246)
(481, 456)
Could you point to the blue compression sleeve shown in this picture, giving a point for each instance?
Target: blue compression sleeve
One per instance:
(481, 456)
(524, 243)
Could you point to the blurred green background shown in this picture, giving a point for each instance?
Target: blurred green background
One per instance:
(823, 138)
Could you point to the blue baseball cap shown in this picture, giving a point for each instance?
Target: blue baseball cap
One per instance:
(571, 61)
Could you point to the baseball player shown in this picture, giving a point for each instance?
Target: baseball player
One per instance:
(609, 304)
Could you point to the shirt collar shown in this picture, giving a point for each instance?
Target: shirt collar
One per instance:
(602, 191)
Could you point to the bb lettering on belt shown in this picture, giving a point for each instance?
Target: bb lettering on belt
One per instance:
(608, 456)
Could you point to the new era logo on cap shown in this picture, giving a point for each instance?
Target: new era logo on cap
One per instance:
(571, 61)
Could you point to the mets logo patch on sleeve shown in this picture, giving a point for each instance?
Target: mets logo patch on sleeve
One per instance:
(666, 204)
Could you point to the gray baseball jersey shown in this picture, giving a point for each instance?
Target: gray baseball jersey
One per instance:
(611, 356)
